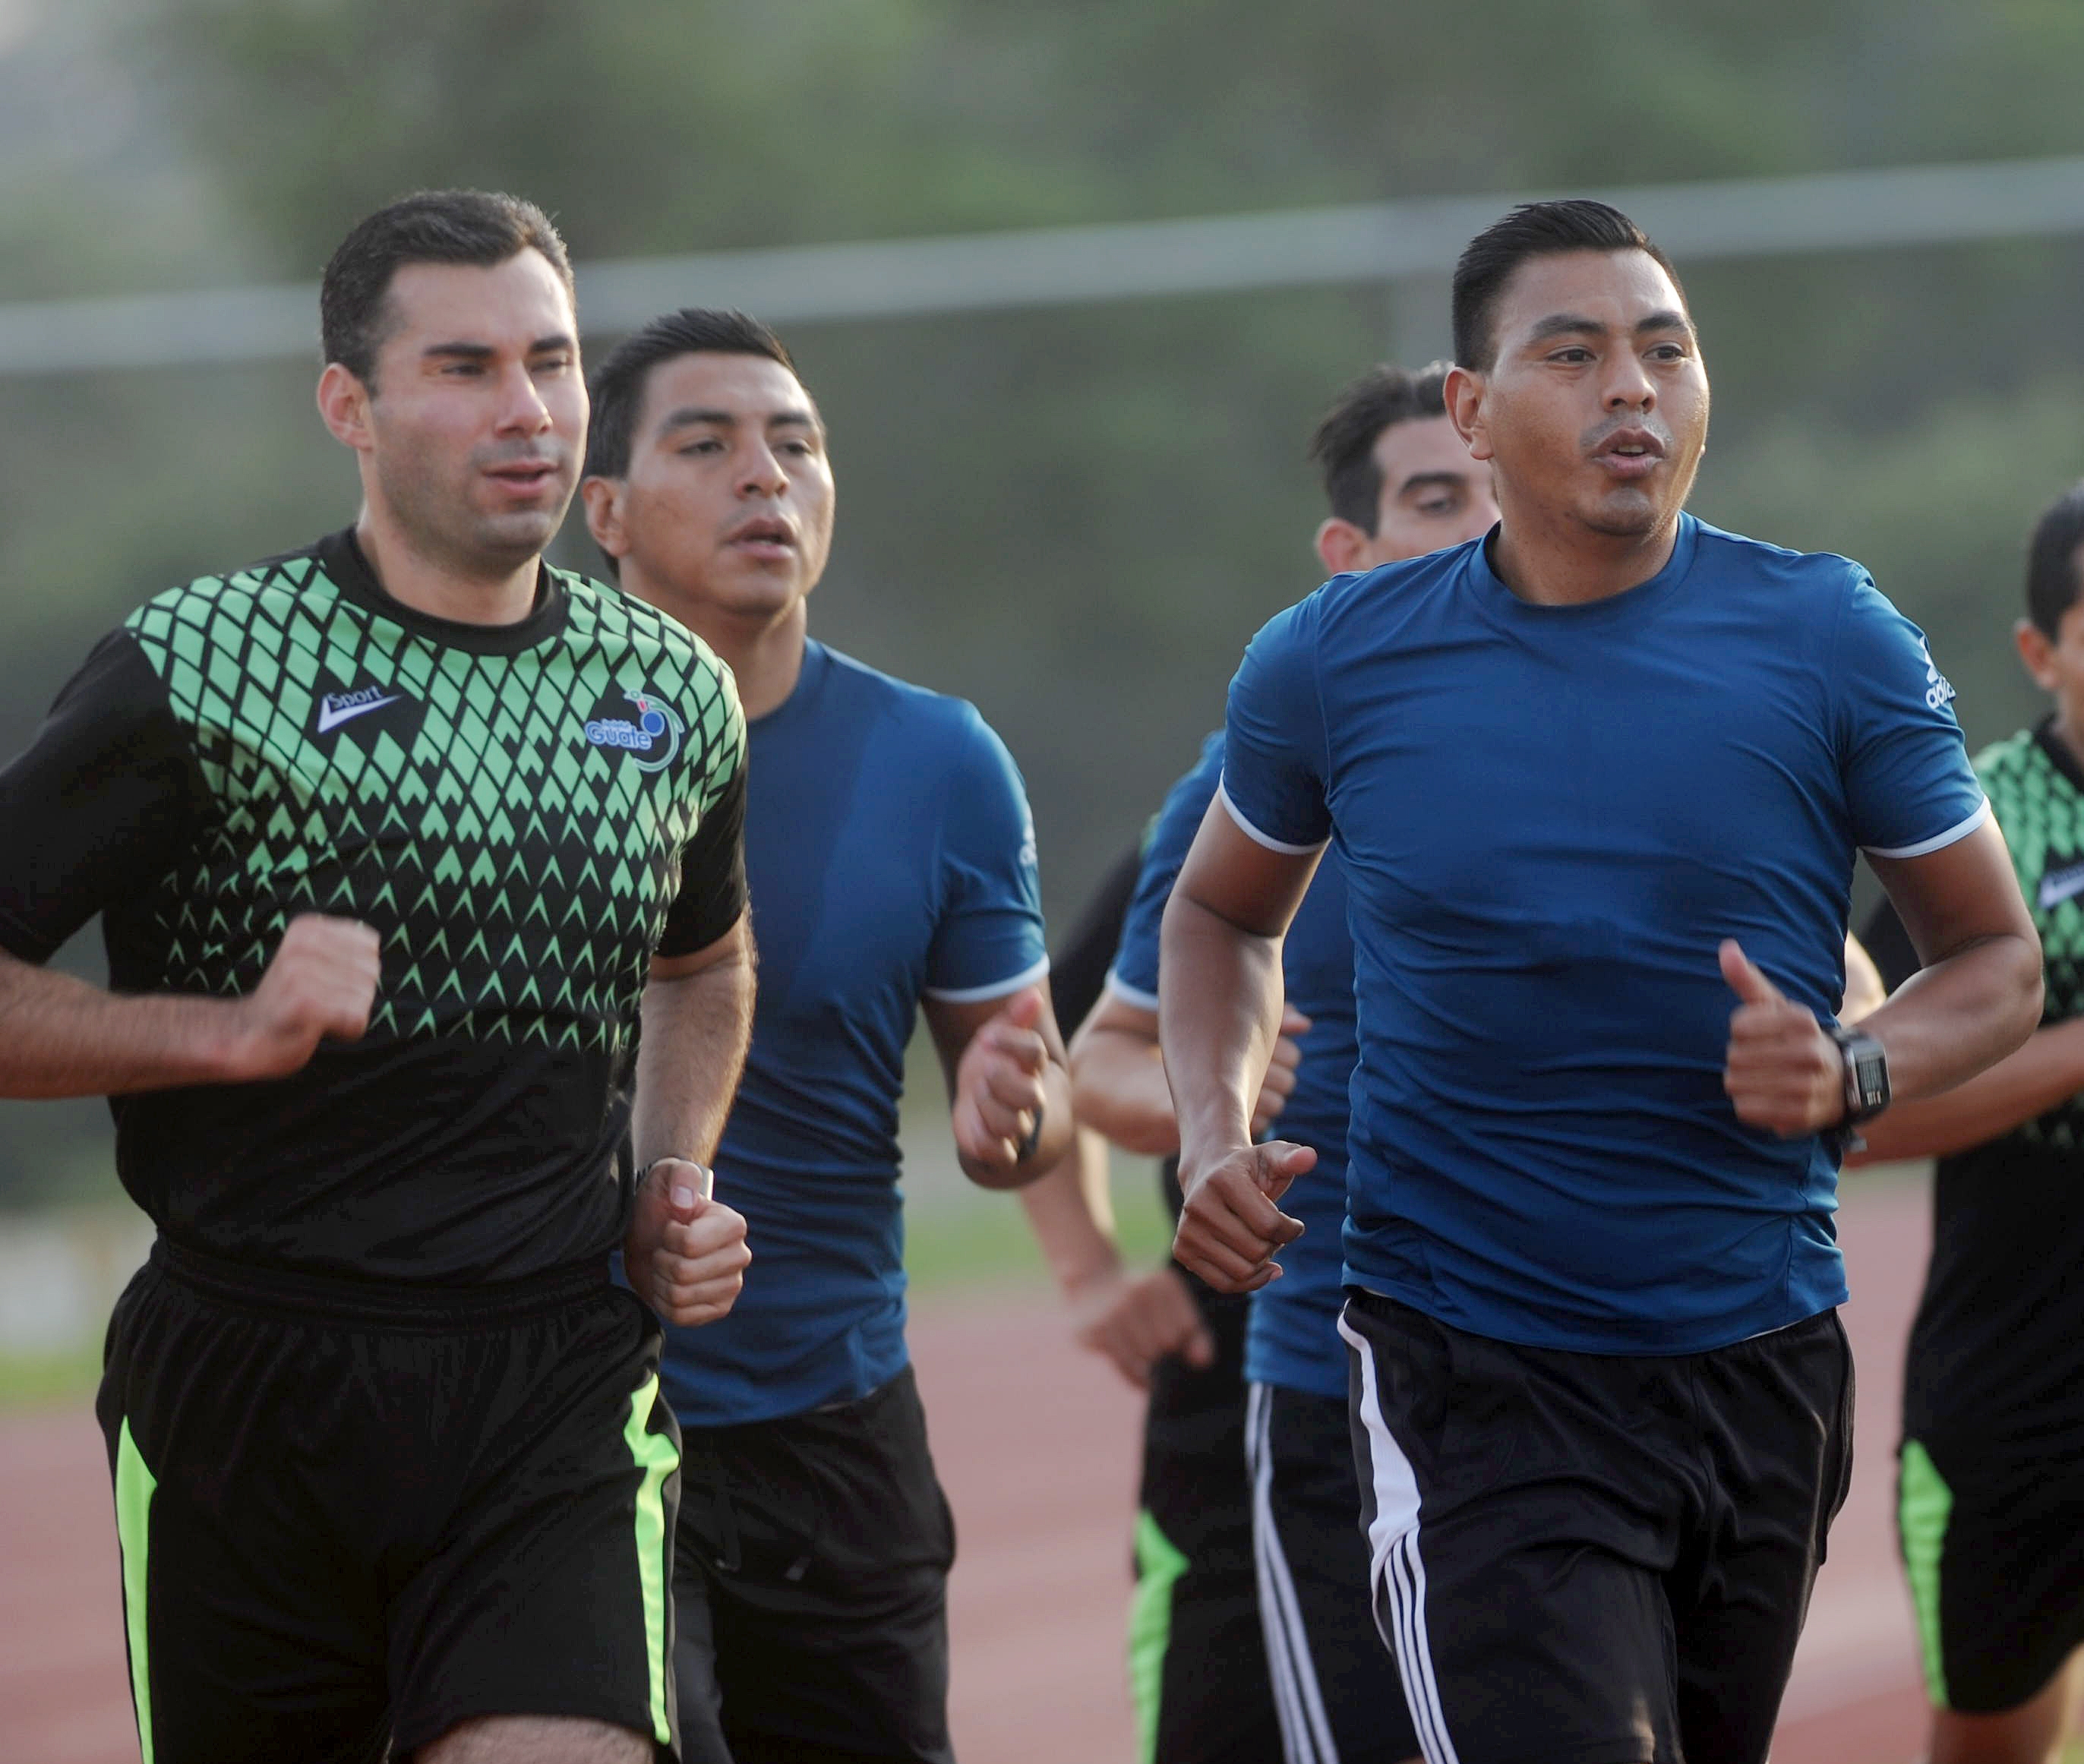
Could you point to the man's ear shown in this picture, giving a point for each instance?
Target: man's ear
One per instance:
(343, 403)
(1464, 395)
(2037, 653)
(1339, 544)
(603, 498)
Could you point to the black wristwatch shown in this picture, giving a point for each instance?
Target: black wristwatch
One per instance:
(1866, 1076)
(1026, 1148)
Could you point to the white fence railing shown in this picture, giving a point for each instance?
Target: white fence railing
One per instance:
(1836, 211)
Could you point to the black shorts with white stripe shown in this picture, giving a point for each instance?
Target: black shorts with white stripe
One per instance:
(1335, 1686)
(1600, 1559)
(1198, 1666)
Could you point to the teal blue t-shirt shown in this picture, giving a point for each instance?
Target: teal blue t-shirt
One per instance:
(889, 856)
(1548, 818)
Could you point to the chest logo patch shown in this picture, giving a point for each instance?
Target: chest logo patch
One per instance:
(2063, 881)
(652, 737)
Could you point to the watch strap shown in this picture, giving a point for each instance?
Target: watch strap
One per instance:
(1866, 1063)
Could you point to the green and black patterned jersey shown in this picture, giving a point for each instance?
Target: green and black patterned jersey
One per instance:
(1997, 1353)
(525, 813)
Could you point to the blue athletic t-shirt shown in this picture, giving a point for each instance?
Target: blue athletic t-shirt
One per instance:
(889, 855)
(1292, 1333)
(1549, 816)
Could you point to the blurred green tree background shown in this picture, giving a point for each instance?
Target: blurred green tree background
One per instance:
(1074, 516)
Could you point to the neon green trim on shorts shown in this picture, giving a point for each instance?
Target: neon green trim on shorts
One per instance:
(655, 1456)
(1158, 1564)
(1925, 1502)
(134, 1487)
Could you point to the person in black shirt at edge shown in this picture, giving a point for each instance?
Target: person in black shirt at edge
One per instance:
(393, 838)
(1991, 1490)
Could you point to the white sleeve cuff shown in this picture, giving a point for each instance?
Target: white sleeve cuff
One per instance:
(1267, 839)
(979, 995)
(1131, 995)
(1939, 841)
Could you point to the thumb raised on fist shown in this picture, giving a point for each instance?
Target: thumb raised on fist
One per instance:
(1751, 986)
(684, 1183)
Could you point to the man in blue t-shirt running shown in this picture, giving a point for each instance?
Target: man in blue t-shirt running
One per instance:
(1592, 781)
(1276, 1520)
(890, 852)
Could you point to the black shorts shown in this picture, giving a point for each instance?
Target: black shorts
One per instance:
(811, 1585)
(1334, 1684)
(1196, 1655)
(353, 1517)
(1593, 1559)
(1993, 1544)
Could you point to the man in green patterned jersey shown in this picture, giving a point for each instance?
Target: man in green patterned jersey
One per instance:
(394, 838)
(1991, 1514)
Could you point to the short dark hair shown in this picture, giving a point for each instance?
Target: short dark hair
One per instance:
(1344, 445)
(1532, 229)
(2051, 562)
(617, 387)
(484, 227)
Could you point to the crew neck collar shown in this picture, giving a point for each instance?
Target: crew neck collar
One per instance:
(348, 566)
(810, 676)
(1500, 600)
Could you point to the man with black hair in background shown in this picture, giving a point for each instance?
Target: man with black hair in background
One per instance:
(1251, 1632)
(1594, 780)
(889, 847)
(1991, 1503)
(394, 837)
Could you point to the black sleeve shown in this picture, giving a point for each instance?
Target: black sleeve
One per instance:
(1079, 969)
(100, 805)
(712, 896)
(1889, 944)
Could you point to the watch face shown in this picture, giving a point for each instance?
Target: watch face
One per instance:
(1870, 1077)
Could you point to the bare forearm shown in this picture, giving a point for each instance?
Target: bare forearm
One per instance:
(1960, 1015)
(1071, 1214)
(2048, 1070)
(1118, 1083)
(1219, 1015)
(1864, 991)
(61, 1037)
(696, 1028)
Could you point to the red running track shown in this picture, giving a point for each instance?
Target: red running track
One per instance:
(1036, 1443)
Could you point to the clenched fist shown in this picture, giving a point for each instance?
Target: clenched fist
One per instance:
(1137, 1320)
(321, 982)
(685, 1254)
(1783, 1071)
(998, 1083)
(1230, 1227)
